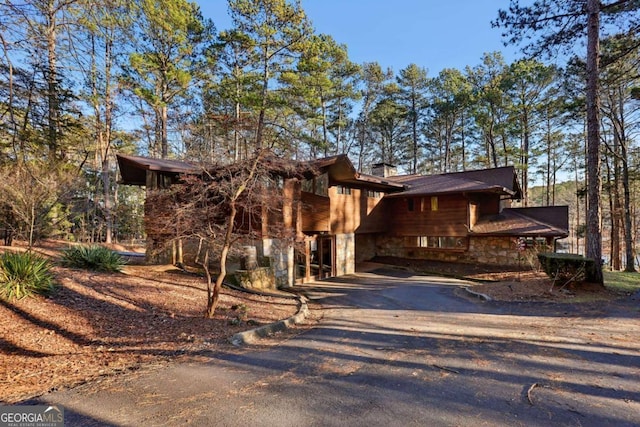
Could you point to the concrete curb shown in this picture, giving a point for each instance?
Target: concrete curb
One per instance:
(251, 336)
(478, 294)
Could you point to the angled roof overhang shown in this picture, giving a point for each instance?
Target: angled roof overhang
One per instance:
(442, 185)
(133, 169)
(501, 181)
(548, 221)
(370, 182)
(341, 171)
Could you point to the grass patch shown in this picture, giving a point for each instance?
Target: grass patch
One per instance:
(24, 274)
(620, 281)
(95, 258)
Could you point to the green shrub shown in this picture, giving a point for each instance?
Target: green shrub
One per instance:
(24, 274)
(567, 267)
(96, 258)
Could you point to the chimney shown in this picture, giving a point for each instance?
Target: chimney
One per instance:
(384, 170)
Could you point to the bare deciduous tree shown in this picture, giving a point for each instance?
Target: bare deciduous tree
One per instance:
(223, 207)
(31, 198)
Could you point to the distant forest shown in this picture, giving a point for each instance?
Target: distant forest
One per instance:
(83, 80)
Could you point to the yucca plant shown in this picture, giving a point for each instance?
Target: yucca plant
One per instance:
(96, 258)
(24, 274)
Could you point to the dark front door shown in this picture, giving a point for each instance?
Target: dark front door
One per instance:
(326, 246)
(320, 259)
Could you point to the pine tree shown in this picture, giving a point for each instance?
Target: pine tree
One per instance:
(556, 25)
(413, 85)
(278, 29)
(172, 35)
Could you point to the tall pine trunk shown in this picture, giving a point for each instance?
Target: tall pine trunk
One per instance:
(594, 240)
(164, 137)
(628, 231)
(616, 214)
(263, 105)
(52, 81)
(612, 196)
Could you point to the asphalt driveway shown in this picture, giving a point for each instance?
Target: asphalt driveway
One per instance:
(396, 349)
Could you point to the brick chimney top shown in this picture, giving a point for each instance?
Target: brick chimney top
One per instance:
(384, 170)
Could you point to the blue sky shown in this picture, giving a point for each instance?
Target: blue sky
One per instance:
(434, 34)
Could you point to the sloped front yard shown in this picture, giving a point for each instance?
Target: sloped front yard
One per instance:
(97, 324)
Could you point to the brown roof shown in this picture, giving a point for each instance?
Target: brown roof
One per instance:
(133, 168)
(341, 171)
(339, 167)
(497, 180)
(373, 182)
(525, 222)
(557, 216)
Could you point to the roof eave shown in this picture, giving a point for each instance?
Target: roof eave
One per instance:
(497, 190)
(514, 233)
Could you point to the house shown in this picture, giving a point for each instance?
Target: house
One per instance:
(341, 217)
(465, 217)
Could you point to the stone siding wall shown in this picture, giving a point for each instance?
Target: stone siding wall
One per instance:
(482, 250)
(365, 247)
(493, 250)
(390, 246)
(396, 247)
(345, 254)
(281, 255)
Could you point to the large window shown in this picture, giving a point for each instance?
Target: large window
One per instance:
(441, 242)
(318, 185)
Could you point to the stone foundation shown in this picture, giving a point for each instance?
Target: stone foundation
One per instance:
(365, 247)
(390, 246)
(482, 250)
(493, 250)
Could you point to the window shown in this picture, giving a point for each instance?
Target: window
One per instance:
(410, 205)
(441, 242)
(165, 181)
(424, 203)
(318, 185)
(341, 189)
(535, 242)
(374, 194)
(278, 182)
(307, 186)
(322, 185)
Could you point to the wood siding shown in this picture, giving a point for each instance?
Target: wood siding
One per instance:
(345, 210)
(373, 215)
(315, 212)
(489, 204)
(356, 212)
(451, 218)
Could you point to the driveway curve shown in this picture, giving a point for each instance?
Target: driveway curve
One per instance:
(397, 349)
